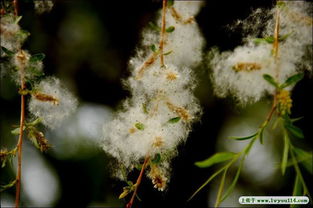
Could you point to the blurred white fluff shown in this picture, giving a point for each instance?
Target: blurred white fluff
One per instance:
(52, 113)
(248, 86)
(42, 6)
(160, 94)
(11, 35)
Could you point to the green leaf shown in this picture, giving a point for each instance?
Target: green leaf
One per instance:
(261, 135)
(285, 154)
(153, 48)
(170, 3)
(233, 184)
(305, 158)
(270, 80)
(7, 186)
(259, 40)
(292, 80)
(269, 39)
(7, 51)
(140, 126)
(17, 131)
(34, 122)
(167, 53)
(144, 108)
(297, 190)
(207, 181)
(138, 166)
(156, 159)
(154, 27)
(174, 120)
(244, 138)
(216, 158)
(296, 119)
(295, 131)
(37, 57)
(17, 19)
(170, 29)
(280, 4)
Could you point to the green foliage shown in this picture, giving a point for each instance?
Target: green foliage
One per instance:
(244, 138)
(216, 158)
(305, 158)
(270, 80)
(7, 51)
(140, 126)
(170, 29)
(285, 154)
(170, 3)
(167, 53)
(233, 184)
(153, 48)
(37, 57)
(7, 186)
(270, 39)
(292, 129)
(144, 108)
(156, 159)
(292, 80)
(174, 120)
(154, 27)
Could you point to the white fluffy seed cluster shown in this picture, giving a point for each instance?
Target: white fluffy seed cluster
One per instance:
(52, 102)
(239, 72)
(11, 35)
(158, 115)
(43, 6)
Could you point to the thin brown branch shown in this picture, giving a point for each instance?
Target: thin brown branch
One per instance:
(162, 34)
(19, 149)
(276, 43)
(20, 143)
(179, 18)
(130, 203)
(151, 59)
(15, 6)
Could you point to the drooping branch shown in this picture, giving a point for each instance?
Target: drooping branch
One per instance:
(162, 34)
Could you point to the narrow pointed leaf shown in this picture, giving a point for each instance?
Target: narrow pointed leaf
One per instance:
(270, 80)
(285, 154)
(7, 51)
(297, 190)
(174, 120)
(295, 131)
(37, 57)
(233, 184)
(216, 158)
(305, 158)
(167, 53)
(292, 80)
(244, 138)
(207, 181)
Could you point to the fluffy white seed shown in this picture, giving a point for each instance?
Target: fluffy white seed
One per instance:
(52, 110)
(239, 73)
(158, 115)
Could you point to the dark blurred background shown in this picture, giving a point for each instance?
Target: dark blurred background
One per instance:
(88, 44)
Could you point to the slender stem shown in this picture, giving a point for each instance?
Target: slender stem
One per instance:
(15, 5)
(20, 144)
(220, 190)
(297, 168)
(130, 203)
(276, 43)
(162, 34)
